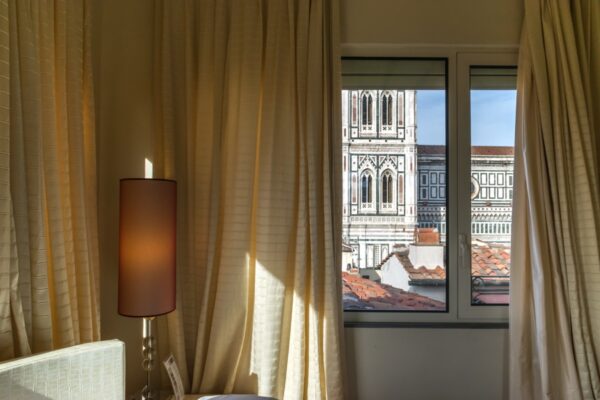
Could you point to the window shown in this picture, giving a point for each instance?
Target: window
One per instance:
(387, 111)
(486, 103)
(366, 190)
(492, 109)
(433, 239)
(387, 190)
(354, 109)
(367, 110)
(398, 232)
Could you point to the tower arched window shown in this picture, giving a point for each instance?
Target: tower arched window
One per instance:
(367, 109)
(387, 189)
(354, 108)
(366, 190)
(387, 112)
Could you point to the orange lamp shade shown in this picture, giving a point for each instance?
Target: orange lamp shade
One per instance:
(147, 225)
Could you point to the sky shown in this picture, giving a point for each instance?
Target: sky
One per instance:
(493, 114)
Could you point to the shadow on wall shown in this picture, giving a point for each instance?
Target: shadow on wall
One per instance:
(350, 364)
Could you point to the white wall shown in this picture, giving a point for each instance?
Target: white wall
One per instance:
(417, 363)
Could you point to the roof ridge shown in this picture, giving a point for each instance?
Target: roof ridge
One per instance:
(385, 260)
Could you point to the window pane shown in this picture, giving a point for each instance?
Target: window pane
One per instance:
(493, 113)
(394, 252)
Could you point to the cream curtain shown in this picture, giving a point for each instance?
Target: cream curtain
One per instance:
(248, 103)
(48, 240)
(555, 292)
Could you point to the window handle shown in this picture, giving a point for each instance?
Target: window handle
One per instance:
(463, 250)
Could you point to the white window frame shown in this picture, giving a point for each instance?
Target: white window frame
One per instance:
(450, 316)
(466, 311)
(458, 310)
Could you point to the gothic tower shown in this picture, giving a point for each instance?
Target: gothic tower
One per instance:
(379, 158)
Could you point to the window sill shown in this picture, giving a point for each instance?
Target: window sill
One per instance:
(428, 325)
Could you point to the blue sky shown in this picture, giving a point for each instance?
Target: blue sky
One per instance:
(492, 117)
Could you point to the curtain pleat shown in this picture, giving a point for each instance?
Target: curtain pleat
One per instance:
(248, 110)
(49, 227)
(555, 283)
(6, 233)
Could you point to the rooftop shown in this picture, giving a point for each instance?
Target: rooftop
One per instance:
(422, 275)
(475, 150)
(363, 294)
(489, 260)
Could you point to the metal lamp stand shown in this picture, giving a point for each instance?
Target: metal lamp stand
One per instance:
(149, 355)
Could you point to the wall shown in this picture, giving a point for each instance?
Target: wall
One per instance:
(384, 363)
(122, 38)
(427, 364)
(417, 363)
(431, 22)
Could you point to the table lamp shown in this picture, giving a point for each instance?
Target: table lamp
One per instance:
(147, 225)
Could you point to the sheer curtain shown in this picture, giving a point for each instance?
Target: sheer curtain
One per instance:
(555, 285)
(48, 244)
(248, 103)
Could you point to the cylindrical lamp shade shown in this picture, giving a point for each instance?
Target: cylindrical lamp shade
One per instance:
(147, 225)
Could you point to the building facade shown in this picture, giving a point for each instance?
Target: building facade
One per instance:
(491, 191)
(392, 185)
(379, 166)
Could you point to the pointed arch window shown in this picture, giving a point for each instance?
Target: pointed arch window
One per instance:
(354, 109)
(366, 190)
(367, 109)
(387, 190)
(387, 111)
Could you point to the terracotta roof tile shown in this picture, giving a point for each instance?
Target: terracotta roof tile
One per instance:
(363, 294)
(422, 274)
(487, 261)
(490, 260)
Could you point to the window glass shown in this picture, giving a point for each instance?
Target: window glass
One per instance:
(493, 112)
(394, 244)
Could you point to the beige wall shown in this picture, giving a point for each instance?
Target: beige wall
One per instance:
(123, 73)
(384, 362)
(411, 363)
(426, 364)
(432, 22)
